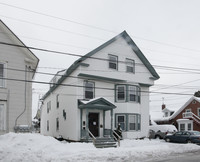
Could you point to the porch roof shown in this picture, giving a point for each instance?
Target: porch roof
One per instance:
(96, 103)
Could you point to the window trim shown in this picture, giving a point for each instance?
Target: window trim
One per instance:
(5, 116)
(117, 115)
(127, 123)
(86, 81)
(125, 95)
(57, 124)
(47, 125)
(57, 101)
(198, 111)
(48, 106)
(4, 74)
(112, 61)
(188, 110)
(128, 65)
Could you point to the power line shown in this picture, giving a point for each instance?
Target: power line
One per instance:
(80, 86)
(77, 55)
(99, 28)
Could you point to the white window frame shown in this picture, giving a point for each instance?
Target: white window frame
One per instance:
(117, 96)
(117, 122)
(86, 90)
(57, 124)
(3, 116)
(184, 126)
(188, 110)
(198, 111)
(113, 61)
(133, 92)
(130, 64)
(47, 125)
(3, 81)
(135, 122)
(48, 106)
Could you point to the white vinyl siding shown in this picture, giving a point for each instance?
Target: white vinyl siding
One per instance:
(113, 62)
(2, 117)
(130, 66)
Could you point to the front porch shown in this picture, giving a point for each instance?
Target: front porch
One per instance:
(94, 121)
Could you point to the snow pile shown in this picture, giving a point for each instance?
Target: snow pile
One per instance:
(36, 147)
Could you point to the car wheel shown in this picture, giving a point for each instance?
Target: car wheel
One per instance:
(167, 140)
(189, 141)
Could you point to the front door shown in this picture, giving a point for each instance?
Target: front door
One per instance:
(94, 123)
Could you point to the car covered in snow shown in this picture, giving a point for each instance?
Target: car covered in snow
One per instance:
(184, 137)
(160, 131)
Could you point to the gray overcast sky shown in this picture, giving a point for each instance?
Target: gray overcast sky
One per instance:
(158, 27)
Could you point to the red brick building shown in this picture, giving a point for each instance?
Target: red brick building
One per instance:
(186, 118)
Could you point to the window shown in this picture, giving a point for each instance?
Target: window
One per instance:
(182, 127)
(57, 101)
(2, 75)
(121, 121)
(130, 64)
(198, 111)
(64, 114)
(89, 90)
(57, 124)
(48, 106)
(121, 95)
(47, 125)
(2, 117)
(132, 122)
(129, 122)
(113, 62)
(188, 110)
(166, 114)
(127, 93)
(189, 126)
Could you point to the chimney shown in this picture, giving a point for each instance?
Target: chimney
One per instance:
(163, 106)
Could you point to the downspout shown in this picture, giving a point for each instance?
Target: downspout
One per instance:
(24, 99)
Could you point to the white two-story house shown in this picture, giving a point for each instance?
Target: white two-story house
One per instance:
(106, 87)
(17, 69)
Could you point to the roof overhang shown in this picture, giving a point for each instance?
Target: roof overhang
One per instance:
(96, 103)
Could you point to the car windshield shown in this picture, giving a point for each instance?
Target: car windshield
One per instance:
(195, 133)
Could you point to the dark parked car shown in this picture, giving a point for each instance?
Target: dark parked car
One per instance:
(184, 137)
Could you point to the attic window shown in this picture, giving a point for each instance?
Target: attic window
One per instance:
(194, 102)
(113, 62)
(130, 66)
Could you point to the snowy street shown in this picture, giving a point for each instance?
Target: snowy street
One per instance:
(36, 147)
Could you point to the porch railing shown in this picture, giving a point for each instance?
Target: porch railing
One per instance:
(191, 115)
(118, 138)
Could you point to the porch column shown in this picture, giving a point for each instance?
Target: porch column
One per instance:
(87, 134)
(111, 115)
(104, 122)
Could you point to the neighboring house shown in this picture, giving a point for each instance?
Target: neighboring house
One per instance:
(106, 87)
(166, 111)
(186, 118)
(16, 65)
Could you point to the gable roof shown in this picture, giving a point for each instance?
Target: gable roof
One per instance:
(183, 107)
(128, 40)
(96, 103)
(28, 52)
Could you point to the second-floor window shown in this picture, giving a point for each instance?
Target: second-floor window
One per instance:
(48, 106)
(198, 111)
(127, 93)
(57, 100)
(57, 124)
(2, 75)
(113, 62)
(130, 66)
(89, 90)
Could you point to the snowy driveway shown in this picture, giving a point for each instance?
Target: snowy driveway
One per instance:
(36, 147)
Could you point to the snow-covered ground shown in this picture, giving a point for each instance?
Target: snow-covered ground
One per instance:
(36, 147)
